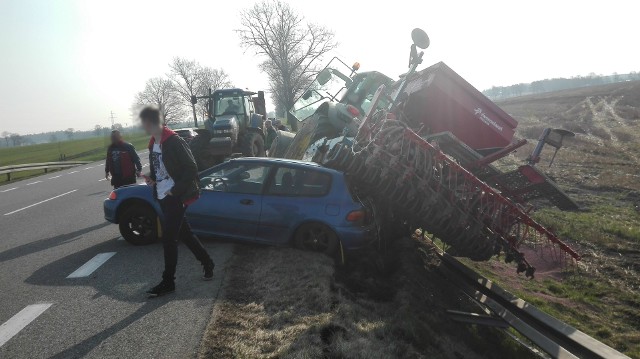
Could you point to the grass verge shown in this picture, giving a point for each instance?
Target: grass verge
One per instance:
(90, 149)
(284, 303)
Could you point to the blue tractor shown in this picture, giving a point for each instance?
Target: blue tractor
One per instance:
(234, 126)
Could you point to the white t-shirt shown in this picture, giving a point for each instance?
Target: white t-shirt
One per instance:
(164, 182)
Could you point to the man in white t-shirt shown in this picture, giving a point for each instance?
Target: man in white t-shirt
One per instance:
(174, 177)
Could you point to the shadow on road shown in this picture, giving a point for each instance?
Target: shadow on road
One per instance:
(86, 346)
(47, 243)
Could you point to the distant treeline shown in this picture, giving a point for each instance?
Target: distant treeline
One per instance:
(557, 84)
(9, 139)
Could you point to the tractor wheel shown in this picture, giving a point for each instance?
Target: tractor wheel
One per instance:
(198, 147)
(253, 145)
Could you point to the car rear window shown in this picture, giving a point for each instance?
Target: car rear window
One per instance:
(299, 182)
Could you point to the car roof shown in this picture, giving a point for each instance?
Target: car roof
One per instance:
(283, 161)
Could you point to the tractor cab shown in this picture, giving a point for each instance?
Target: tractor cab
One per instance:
(234, 126)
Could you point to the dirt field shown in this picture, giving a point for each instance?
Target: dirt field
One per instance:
(600, 169)
(284, 303)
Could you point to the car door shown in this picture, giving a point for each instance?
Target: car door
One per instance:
(294, 195)
(230, 202)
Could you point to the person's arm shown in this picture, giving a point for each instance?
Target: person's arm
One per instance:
(107, 167)
(188, 169)
(135, 158)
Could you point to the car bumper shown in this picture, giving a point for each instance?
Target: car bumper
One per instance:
(110, 209)
(356, 238)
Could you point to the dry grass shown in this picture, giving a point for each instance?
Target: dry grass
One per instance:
(284, 303)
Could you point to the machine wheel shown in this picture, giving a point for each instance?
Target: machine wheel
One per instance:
(316, 237)
(198, 145)
(253, 145)
(138, 225)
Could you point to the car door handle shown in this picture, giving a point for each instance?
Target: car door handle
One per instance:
(246, 202)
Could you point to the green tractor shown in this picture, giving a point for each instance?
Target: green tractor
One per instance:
(235, 126)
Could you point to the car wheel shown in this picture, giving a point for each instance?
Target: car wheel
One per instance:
(138, 225)
(316, 237)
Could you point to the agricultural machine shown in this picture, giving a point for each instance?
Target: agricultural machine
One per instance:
(234, 125)
(422, 149)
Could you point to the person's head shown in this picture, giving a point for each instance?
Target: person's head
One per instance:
(116, 137)
(150, 120)
(229, 102)
(267, 123)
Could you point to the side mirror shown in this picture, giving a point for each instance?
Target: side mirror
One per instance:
(324, 76)
(420, 38)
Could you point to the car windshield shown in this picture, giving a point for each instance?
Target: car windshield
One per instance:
(336, 79)
(230, 104)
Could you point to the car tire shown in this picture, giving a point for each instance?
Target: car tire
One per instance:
(138, 225)
(253, 145)
(316, 237)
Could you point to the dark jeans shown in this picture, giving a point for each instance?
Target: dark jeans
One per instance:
(117, 181)
(175, 227)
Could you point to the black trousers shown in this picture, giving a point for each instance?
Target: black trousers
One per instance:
(174, 228)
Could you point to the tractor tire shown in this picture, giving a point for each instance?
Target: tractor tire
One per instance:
(252, 145)
(198, 147)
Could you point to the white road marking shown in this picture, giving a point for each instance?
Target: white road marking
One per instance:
(73, 172)
(29, 184)
(93, 264)
(19, 321)
(10, 189)
(55, 177)
(35, 204)
(145, 165)
(88, 168)
(102, 179)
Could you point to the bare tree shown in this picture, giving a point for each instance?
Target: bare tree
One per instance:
(97, 130)
(162, 92)
(291, 45)
(16, 139)
(6, 135)
(213, 79)
(69, 132)
(186, 76)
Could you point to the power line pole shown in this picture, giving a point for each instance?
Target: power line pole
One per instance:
(113, 124)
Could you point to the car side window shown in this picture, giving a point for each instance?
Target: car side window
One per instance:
(299, 182)
(236, 178)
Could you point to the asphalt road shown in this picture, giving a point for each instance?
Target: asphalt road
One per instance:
(52, 226)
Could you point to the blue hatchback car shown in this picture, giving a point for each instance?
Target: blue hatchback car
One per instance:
(264, 200)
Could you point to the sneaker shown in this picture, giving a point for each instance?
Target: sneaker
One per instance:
(208, 271)
(165, 287)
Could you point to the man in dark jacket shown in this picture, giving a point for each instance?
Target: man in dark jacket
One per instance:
(271, 135)
(174, 177)
(123, 164)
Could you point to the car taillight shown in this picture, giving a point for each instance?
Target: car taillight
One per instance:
(353, 111)
(113, 195)
(356, 216)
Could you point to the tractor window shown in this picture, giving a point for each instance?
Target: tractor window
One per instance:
(229, 106)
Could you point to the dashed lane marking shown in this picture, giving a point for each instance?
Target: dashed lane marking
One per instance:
(94, 263)
(29, 184)
(19, 321)
(102, 179)
(73, 172)
(10, 189)
(87, 168)
(54, 177)
(35, 204)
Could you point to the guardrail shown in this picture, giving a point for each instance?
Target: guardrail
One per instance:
(8, 170)
(556, 338)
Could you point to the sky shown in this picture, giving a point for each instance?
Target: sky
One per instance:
(66, 63)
